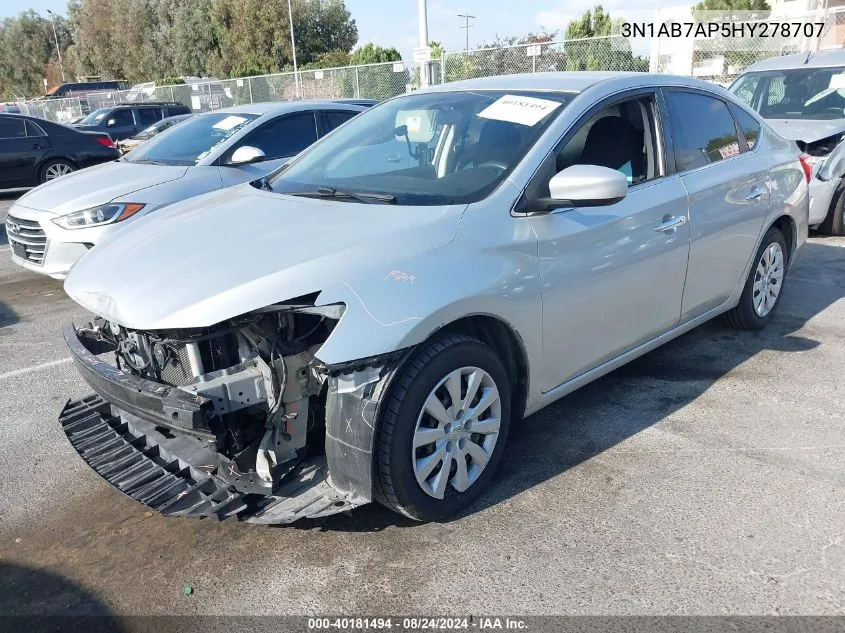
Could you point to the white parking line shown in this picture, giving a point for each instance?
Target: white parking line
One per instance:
(5, 248)
(29, 370)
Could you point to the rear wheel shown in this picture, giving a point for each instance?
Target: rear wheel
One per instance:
(54, 168)
(764, 284)
(834, 223)
(443, 429)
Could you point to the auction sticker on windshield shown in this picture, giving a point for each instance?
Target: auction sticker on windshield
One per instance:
(521, 110)
(229, 122)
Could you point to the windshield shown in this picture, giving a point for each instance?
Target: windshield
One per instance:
(799, 93)
(426, 148)
(95, 117)
(190, 141)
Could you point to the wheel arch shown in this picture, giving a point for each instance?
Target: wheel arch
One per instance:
(786, 225)
(39, 167)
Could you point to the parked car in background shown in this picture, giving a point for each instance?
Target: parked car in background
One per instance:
(351, 329)
(10, 108)
(34, 151)
(803, 98)
(132, 142)
(209, 151)
(123, 121)
(84, 87)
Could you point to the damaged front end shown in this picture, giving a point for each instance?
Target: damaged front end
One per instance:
(239, 419)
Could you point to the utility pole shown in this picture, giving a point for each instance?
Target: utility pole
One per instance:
(467, 26)
(56, 39)
(293, 49)
(425, 79)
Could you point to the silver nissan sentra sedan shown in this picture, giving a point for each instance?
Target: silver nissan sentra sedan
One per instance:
(368, 322)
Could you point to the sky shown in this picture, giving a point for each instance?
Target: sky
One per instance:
(394, 22)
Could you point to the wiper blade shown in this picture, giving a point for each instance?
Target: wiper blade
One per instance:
(331, 192)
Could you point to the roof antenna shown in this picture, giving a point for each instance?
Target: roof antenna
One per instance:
(809, 54)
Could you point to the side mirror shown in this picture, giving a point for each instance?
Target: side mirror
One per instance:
(585, 186)
(245, 155)
(111, 123)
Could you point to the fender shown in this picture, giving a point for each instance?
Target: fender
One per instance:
(402, 304)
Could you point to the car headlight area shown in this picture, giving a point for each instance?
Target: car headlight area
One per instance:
(96, 216)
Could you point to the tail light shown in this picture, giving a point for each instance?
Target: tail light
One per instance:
(106, 141)
(807, 165)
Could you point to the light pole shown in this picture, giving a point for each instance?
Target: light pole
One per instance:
(293, 48)
(425, 78)
(56, 38)
(467, 26)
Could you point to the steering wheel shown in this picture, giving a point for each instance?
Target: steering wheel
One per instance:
(493, 163)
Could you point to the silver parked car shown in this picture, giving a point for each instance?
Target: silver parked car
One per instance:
(64, 218)
(803, 98)
(355, 327)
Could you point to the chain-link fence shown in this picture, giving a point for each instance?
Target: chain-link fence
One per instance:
(598, 53)
(371, 81)
(723, 56)
(715, 58)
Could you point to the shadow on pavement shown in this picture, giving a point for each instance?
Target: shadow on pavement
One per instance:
(639, 394)
(7, 315)
(35, 600)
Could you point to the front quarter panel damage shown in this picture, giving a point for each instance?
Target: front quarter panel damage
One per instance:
(356, 394)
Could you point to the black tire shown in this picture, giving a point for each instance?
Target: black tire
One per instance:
(54, 162)
(834, 223)
(396, 483)
(743, 316)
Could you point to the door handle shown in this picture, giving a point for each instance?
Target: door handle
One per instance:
(37, 146)
(671, 224)
(756, 194)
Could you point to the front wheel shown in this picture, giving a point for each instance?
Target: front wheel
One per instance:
(764, 284)
(443, 429)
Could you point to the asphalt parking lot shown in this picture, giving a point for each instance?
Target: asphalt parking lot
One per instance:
(708, 477)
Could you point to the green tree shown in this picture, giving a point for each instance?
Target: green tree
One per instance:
(28, 53)
(735, 54)
(379, 82)
(589, 45)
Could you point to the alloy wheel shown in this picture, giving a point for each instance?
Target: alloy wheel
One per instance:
(456, 431)
(56, 170)
(768, 279)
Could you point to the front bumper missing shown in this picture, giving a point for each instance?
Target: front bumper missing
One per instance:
(124, 434)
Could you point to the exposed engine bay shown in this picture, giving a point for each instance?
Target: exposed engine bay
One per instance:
(247, 421)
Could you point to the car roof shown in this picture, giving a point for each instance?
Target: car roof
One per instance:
(281, 107)
(821, 59)
(571, 81)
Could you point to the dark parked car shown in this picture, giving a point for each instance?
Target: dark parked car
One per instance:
(33, 150)
(156, 128)
(123, 121)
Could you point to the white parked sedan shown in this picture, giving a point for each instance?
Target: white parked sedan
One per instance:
(58, 222)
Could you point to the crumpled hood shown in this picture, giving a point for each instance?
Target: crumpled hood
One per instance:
(229, 252)
(807, 131)
(97, 185)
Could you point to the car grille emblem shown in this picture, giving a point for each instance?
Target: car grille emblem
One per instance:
(12, 227)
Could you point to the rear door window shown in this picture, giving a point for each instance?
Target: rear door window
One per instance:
(703, 130)
(336, 118)
(148, 116)
(11, 127)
